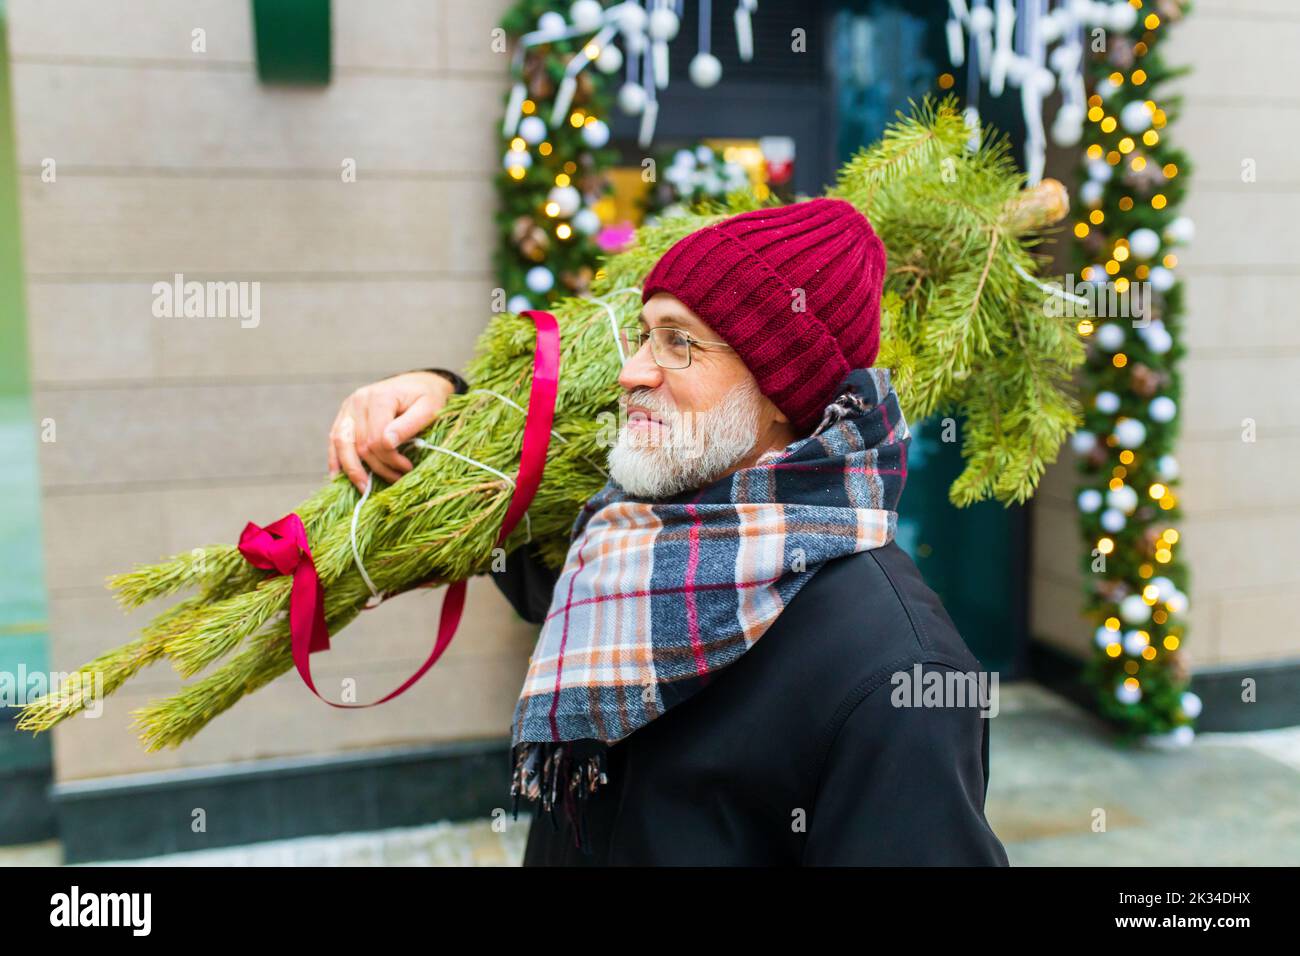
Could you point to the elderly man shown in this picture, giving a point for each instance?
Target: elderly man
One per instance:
(737, 663)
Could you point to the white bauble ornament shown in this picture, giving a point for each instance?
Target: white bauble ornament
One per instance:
(586, 221)
(1130, 433)
(1066, 129)
(631, 98)
(1110, 337)
(1104, 637)
(1121, 17)
(532, 129)
(1018, 67)
(567, 198)
(1042, 80)
(1160, 341)
(1143, 243)
(1107, 402)
(1134, 643)
(1091, 192)
(1167, 467)
(1135, 117)
(1127, 693)
(1164, 587)
(1181, 229)
(595, 134)
(587, 15)
(1161, 279)
(1190, 705)
(705, 70)
(1134, 610)
(1177, 603)
(518, 303)
(1083, 441)
(539, 279)
(1089, 500)
(664, 24)
(1063, 60)
(1162, 409)
(610, 59)
(1124, 498)
(1099, 170)
(517, 157)
(631, 19)
(981, 19)
(1112, 520)
(552, 22)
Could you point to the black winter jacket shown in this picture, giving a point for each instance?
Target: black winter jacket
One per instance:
(794, 754)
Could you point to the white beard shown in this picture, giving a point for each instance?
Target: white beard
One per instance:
(693, 450)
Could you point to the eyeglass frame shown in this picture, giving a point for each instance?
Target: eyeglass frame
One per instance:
(691, 340)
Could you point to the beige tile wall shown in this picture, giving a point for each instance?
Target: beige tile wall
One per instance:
(174, 432)
(1242, 278)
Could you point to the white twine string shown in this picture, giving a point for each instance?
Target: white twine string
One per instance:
(375, 597)
(1053, 290)
(613, 319)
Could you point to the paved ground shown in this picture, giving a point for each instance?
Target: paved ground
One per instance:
(1227, 799)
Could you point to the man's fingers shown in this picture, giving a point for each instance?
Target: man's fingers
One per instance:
(381, 469)
(414, 420)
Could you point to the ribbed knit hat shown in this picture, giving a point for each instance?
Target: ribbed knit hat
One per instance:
(744, 275)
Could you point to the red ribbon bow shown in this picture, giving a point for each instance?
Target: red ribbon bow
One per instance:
(282, 547)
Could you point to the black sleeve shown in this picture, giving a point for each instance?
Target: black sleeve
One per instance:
(904, 786)
(527, 583)
(459, 384)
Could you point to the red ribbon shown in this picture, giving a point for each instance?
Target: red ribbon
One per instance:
(282, 547)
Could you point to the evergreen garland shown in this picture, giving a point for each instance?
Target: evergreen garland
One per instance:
(1135, 181)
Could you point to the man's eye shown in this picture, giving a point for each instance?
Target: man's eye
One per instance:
(678, 339)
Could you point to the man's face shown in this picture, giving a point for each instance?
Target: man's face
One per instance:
(687, 427)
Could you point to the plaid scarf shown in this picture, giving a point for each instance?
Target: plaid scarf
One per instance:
(656, 597)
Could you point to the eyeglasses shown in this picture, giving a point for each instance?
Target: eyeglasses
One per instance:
(670, 347)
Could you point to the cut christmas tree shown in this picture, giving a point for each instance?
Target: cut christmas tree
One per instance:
(964, 328)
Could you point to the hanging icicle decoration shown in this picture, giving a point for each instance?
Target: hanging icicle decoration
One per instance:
(645, 32)
(1008, 45)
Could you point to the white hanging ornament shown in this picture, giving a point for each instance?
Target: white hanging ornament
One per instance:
(532, 129)
(1167, 467)
(1130, 433)
(1099, 170)
(552, 23)
(1127, 693)
(631, 99)
(1121, 17)
(1103, 637)
(518, 303)
(1089, 500)
(1123, 498)
(1190, 704)
(539, 279)
(1162, 409)
(664, 24)
(1091, 192)
(1177, 603)
(1134, 643)
(610, 59)
(705, 70)
(1135, 117)
(586, 221)
(1161, 279)
(1110, 337)
(1113, 520)
(567, 198)
(1107, 402)
(517, 159)
(1083, 441)
(1143, 243)
(595, 134)
(1067, 127)
(587, 15)
(1181, 229)
(631, 19)
(1134, 610)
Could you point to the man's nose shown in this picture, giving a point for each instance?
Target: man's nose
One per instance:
(641, 371)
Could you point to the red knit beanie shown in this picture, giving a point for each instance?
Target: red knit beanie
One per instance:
(794, 289)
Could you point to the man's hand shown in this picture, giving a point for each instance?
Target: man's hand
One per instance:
(374, 420)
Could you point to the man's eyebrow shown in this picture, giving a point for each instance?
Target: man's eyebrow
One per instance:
(676, 320)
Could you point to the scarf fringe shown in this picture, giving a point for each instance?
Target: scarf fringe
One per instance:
(565, 772)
